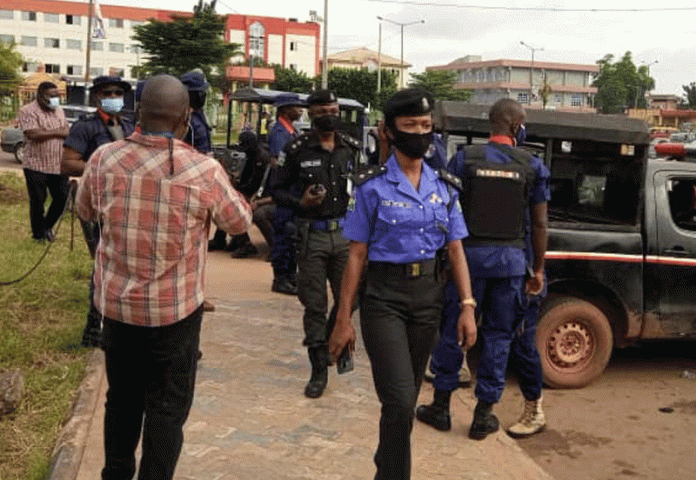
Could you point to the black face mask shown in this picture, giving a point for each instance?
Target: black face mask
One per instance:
(326, 123)
(413, 145)
(197, 99)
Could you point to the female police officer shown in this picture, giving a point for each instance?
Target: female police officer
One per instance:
(399, 216)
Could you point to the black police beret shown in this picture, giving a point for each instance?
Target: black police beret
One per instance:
(408, 102)
(194, 81)
(105, 80)
(321, 97)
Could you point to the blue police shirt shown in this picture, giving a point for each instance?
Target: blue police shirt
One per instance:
(400, 224)
(198, 134)
(497, 261)
(89, 133)
(436, 156)
(278, 138)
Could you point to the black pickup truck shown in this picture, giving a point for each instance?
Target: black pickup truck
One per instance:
(622, 237)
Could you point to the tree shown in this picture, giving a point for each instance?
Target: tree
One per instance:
(290, 80)
(689, 100)
(440, 84)
(621, 85)
(185, 43)
(10, 63)
(361, 85)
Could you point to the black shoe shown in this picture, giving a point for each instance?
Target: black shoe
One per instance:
(320, 373)
(247, 250)
(283, 285)
(215, 245)
(435, 417)
(484, 422)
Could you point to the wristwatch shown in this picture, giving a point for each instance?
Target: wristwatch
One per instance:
(468, 302)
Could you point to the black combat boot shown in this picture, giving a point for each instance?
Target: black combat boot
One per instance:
(320, 373)
(437, 414)
(484, 421)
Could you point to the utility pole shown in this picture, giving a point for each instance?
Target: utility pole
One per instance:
(325, 61)
(401, 25)
(531, 70)
(90, 14)
(379, 59)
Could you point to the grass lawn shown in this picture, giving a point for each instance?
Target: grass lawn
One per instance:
(41, 321)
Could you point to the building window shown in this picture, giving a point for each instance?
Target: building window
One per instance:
(293, 46)
(523, 97)
(116, 47)
(136, 23)
(29, 16)
(97, 46)
(576, 100)
(51, 43)
(51, 18)
(293, 66)
(96, 72)
(7, 39)
(558, 98)
(118, 72)
(73, 20)
(29, 41)
(52, 68)
(256, 38)
(481, 76)
(116, 22)
(73, 44)
(7, 14)
(74, 70)
(30, 67)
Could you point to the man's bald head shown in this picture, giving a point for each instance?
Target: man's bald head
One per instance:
(505, 117)
(164, 105)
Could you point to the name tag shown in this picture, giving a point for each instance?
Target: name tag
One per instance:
(497, 174)
(310, 163)
(393, 203)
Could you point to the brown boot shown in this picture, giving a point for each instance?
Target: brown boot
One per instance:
(532, 420)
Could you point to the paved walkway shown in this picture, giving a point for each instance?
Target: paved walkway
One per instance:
(250, 419)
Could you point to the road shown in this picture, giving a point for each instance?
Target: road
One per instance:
(7, 161)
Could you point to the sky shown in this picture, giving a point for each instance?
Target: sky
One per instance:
(658, 34)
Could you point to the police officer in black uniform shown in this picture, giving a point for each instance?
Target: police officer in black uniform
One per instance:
(87, 134)
(312, 179)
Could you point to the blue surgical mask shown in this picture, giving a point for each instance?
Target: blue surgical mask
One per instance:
(112, 105)
(53, 102)
(520, 136)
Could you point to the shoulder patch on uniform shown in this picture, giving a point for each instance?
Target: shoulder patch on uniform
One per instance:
(350, 141)
(450, 178)
(368, 174)
(296, 143)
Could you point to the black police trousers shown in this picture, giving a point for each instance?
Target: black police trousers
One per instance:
(151, 373)
(399, 318)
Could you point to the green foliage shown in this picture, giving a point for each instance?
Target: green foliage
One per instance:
(41, 322)
(185, 43)
(289, 80)
(621, 84)
(361, 85)
(689, 100)
(10, 63)
(440, 84)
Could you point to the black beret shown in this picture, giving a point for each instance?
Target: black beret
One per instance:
(105, 80)
(408, 102)
(321, 97)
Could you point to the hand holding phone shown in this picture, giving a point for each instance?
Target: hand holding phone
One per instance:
(344, 363)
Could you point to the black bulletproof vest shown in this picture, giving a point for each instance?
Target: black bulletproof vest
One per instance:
(495, 196)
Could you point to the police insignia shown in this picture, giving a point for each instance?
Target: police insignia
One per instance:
(435, 198)
(281, 158)
(351, 204)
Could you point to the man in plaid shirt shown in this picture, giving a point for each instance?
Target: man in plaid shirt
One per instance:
(155, 196)
(45, 127)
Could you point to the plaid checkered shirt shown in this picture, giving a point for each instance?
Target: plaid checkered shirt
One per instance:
(156, 213)
(42, 156)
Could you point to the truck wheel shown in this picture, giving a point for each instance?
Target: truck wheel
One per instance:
(575, 341)
(19, 152)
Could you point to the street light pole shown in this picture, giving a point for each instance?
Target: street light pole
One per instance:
(402, 25)
(379, 60)
(531, 70)
(325, 61)
(647, 66)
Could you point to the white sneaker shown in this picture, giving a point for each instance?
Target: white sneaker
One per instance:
(532, 420)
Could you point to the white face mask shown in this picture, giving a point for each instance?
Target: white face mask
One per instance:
(54, 102)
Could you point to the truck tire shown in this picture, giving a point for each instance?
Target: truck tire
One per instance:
(575, 342)
(19, 152)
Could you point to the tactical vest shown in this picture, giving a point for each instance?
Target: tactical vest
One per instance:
(496, 196)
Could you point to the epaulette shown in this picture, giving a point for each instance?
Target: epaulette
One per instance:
(352, 142)
(450, 178)
(369, 173)
(296, 143)
(87, 116)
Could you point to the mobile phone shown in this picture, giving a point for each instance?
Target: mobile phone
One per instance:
(345, 361)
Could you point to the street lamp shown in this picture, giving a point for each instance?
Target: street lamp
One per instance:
(531, 70)
(646, 93)
(379, 59)
(402, 25)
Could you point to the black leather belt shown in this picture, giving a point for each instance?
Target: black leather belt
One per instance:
(404, 270)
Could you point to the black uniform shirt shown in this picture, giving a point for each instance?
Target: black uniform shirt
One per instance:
(90, 132)
(306, 163)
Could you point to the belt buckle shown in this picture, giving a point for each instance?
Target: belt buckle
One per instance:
(331, 225)
(414, 269)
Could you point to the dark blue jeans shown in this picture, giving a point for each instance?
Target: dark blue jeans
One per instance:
(151, 373)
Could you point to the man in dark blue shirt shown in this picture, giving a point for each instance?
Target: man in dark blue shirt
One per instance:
(198, 133)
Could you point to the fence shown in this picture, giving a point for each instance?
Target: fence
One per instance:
(9, 104)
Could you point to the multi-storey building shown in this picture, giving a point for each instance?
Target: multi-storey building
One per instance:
(363, 57)
(566, 86)
(52, 37)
